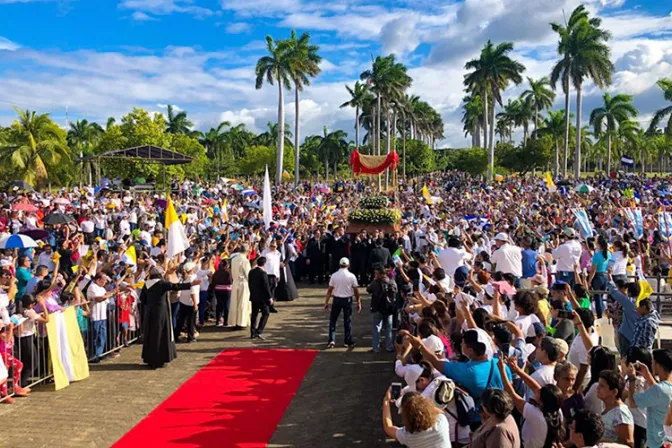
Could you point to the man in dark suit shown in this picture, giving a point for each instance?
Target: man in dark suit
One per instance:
(261, 298)
(315, 256)
(380, 257)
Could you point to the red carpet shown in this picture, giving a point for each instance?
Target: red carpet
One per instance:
(237, 400)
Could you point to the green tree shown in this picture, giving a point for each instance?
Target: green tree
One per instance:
(359, 96)
(492, 72)
(421, 158)
(536, 154)
(178, 123)
(333, 148)
(609, 117)
(472, 118)
(276, 67)
(258, 157)
(554, 127)
(238, 138)
(539, 96)
(666, 85)
(473, 161)
(304, 63)
(35, 146)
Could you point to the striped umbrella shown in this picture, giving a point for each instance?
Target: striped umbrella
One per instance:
(17, 242)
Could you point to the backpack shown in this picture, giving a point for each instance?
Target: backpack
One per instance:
(467, 414)
(388, 299)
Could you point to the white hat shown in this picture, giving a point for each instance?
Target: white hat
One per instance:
(502, 237)
(344, 261)
(571, 233)
(433, 344)
(189, 266)
(5, 262)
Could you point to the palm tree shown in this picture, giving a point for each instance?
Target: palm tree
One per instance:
(35, 144)
(82, 137)
(276, 67)
(666, 85)
(586, 56)
(238, 138)
(562, 67)
(178, 123)
(271, 136)
(110, 122)
(554, 126)
(608, 118)
(304, 63)
(538, 96)
(332, 147)
(388, 79)
(214, 138)
(472, 117)
(359, 96)
(492, 72)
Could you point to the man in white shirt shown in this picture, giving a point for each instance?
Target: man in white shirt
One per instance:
(45, 258)
(87, 227)
(453, 257)
(342, 286)
(567, 255)
(273, 265)
(98, 296)
(508, 259)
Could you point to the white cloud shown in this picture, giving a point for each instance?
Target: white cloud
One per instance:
(238, 28)
(162, 7)
(6, 44)
(142, 17)
(400, 36)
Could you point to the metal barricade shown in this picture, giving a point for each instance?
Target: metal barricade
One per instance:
(27, 358)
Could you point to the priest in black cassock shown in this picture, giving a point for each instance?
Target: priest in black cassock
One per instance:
(159, 343)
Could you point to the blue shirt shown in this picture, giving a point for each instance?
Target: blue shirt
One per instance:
(473, 375)
(630, 316)
(529, 263)
(656, 400)
(601, 264)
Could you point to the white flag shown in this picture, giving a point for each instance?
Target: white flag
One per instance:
(268, 214)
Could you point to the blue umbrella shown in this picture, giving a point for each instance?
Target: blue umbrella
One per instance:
(17, 242)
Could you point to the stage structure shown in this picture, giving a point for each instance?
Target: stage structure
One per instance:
(145, 153)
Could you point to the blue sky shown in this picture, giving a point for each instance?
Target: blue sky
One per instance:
(99, 58)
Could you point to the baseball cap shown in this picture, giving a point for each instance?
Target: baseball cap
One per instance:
(189, 266)
(344, 261)
(539, 329)
(562, 346)
(502, 236)
(571, 233)
(433, 344)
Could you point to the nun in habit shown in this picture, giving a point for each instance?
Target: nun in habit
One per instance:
(159, 343)
(286, 289)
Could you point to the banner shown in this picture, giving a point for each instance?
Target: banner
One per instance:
(66, 348)
(582, 219)
(627, 161)
(362, 164)
(634, 215)
(665, 224)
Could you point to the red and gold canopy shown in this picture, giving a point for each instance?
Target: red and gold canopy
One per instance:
(362, 164)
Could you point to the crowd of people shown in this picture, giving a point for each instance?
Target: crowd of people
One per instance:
(493, 298)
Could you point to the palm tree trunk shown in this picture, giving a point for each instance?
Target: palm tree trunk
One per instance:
(403, 144)
(577, 156)
(608, 152)
(297, 159)
(564, 168)
(556, 168)
(477, 134)
(326, 168)
(491, 142)
(473, 138)
(536, 122)
(388, 145)
(378, 110)
(525, 125)
(485, 118)
(281, 134)
(357, 127)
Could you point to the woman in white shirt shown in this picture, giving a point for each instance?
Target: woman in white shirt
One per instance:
(204, 274)
(425, 426)
(543, 422)
(619, 260)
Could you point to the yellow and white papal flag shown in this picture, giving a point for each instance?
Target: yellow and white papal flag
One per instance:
(177, 238)
(66, 348)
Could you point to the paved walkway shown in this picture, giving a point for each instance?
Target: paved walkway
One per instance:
(337, 405)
